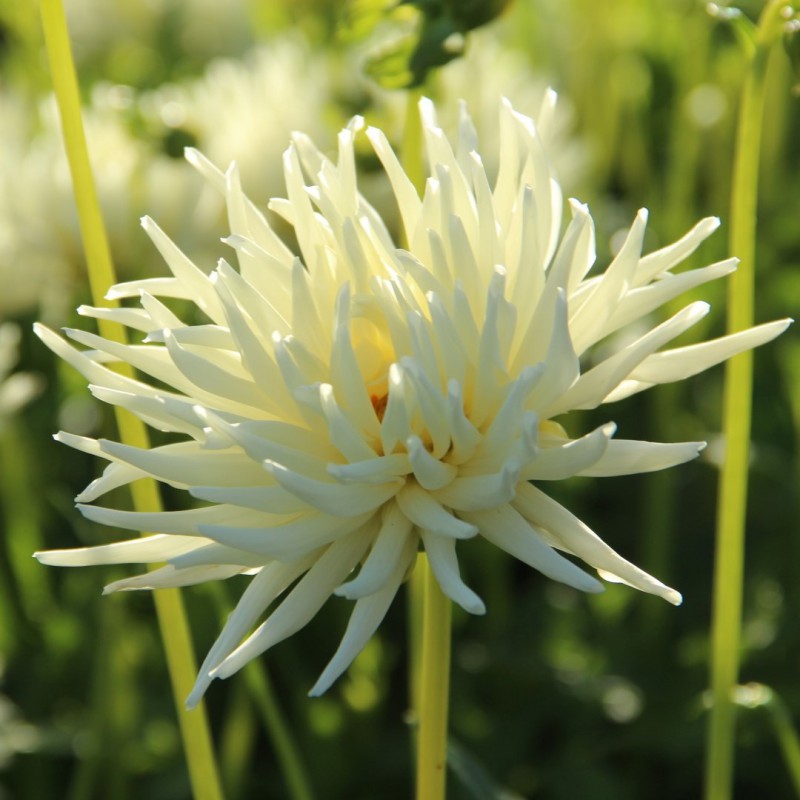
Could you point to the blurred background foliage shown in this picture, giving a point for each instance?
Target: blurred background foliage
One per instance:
(555, 695)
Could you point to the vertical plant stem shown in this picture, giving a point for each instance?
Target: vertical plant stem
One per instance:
(434, 689)
(788, 739)
(169, 605)
(263, 693)
(732, 500)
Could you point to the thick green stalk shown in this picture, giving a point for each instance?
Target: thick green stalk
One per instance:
(434, 688)
(169, 606)
(732, 500)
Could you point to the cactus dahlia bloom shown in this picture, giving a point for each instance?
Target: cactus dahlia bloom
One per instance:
(342, 407)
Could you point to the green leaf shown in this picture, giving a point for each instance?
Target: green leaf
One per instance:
(473, 776)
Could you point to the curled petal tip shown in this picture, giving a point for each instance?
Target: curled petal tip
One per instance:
(673, 597)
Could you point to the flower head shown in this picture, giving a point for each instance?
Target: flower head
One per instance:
(342, 407)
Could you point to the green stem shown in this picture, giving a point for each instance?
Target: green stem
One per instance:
(731, 507)
(434, 689)
(286, 750)
(169, 605)
(788, 739)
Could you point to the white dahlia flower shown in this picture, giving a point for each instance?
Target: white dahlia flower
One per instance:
(343, 407)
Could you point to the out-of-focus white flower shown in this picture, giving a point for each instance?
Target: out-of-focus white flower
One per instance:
(245, 110)
(41, 255)
(239, 110)
(341, 408)
(19, 388)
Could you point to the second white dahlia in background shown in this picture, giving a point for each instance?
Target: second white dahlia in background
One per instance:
(342, 407)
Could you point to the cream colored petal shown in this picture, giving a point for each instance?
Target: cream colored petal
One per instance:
(136, 318)
(653, 264)
(585, 543)
(364, 621)
(337, 499)
(114, 476)
(188, 463)
(147, 550)
(464, 435)
(630, 457)
(431, 404)
(346, 438)
(480, 492)
(215, 553)
(594, 386)
(209, 376)
(396, 424)
(430, 472)
(345, 375)
(289, 540)
(637, 303)
(508, 530)
(392, 542)
(302, 603)
(428, 514)
(181, 523)
(442, 558)
(379, 469)
(194, 281)
(561, 364)
(170, 578)
(95, 373)
(572, 458)
(273, 499)
(262, 590)
(408, 201)
(164, 412)
(289, 444)
(589, 324)
(683, 362)
(257, 226)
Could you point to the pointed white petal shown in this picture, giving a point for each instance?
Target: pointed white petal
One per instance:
(653, 264)
(508, 530)
(425, 512)
(273, 499)
(380, 469)
(630, 457)
(683, 362)
(337, 499)
(444, 564)
(387, 550)
(302, 603)
(478, 492)
(180, 523)
(429, 471)
(364, 621)
(134, 551)
(289, 540)
(171, 578)
(571, 458)
(595, 385)
(262, 590)
(585, 543)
